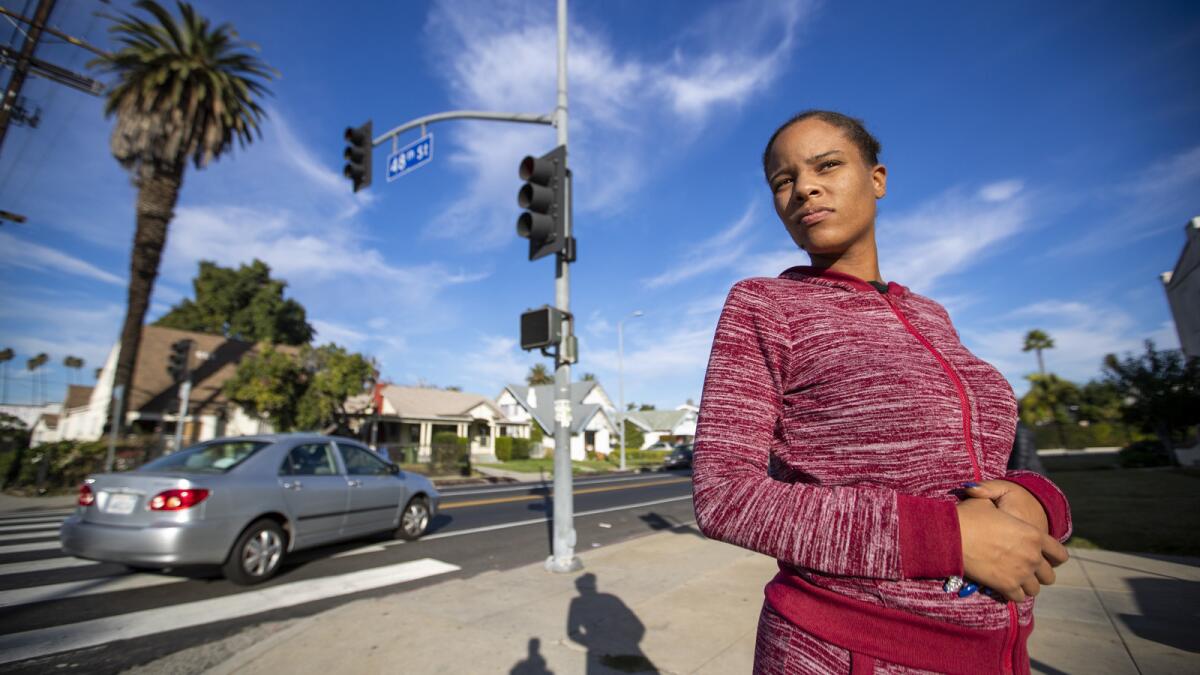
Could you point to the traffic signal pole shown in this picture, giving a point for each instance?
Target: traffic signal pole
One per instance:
(563, 557)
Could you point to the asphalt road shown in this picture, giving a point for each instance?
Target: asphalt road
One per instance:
(64, 614)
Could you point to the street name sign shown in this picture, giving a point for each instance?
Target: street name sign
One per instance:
(409, 158)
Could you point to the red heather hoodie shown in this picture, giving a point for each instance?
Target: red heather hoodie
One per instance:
(835, 425)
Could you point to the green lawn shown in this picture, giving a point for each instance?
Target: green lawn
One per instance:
(547, 466)
(1139, 510)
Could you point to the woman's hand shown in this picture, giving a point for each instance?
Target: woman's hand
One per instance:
(1004, 553)
(1019, 503)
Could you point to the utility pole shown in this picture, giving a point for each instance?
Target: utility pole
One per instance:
(24, 60)
(558, 241)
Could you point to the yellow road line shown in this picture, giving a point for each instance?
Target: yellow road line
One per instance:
(530, 498)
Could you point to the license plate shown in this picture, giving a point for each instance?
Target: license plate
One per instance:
(121, 504)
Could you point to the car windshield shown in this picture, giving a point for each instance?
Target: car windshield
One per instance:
(208, 458)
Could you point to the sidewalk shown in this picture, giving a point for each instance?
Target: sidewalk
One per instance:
(15, 504)
(678, 603)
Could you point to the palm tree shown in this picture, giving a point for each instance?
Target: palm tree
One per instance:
(38, 383)
(1037, 340)
(538, 374)
(75, 363)
(184, 91)
(5, 356)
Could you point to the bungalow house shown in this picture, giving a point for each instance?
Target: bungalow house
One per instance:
(409, 417)
(153, 399)
(593, 426)
(670, 426)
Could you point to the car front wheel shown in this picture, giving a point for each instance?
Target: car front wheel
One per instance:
(256, 554)
(414, 519)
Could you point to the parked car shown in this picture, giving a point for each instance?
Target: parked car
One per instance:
(245, 503)
(680, 457)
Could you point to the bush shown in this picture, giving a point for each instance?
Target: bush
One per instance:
(646, 456)
(504, 448)
(1143, 454)
(1096, 435)
(521, 448)
(450, 453)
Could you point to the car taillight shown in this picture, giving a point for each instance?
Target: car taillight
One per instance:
(177, 500)
(86, 496)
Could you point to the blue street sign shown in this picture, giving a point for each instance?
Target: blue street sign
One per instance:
(410, 157)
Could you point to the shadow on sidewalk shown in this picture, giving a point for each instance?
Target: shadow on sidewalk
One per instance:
(609, 630)
(1166, 610)
(534, 663)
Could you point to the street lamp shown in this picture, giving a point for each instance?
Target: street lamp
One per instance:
(621, 375)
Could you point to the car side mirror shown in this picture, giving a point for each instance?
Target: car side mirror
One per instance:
(394, 469)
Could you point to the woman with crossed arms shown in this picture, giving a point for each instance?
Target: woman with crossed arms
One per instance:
(846, 431)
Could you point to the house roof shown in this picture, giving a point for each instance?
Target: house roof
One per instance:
(543, 412)
(77, 396)
(429, 403)
(154, 390)
(656, 420)
(50, 420)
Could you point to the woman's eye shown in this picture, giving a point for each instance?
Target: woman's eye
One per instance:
(782, 183)
(828, 164)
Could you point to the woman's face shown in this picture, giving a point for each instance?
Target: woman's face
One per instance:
(824, 191)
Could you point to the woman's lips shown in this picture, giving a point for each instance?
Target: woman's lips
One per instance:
(816, 217)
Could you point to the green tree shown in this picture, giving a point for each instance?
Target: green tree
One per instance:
(184, 91)
(588, 377)
(14, 440)
(1159, 390)
(1050, 400)
(1037, 341)
(268, 384)
(307, 390)
(634, 438)
(243, 304)
(38, 376)
(332, 376)
(538, 374)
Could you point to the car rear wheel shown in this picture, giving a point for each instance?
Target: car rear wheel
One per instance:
(414, 519)
(257, 553)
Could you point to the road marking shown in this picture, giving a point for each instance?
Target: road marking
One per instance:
(42, 565)
(376, 548)
(537, 521)
(13, 517)
(34, 534)
(38, 546)
(41, 642)
(535, 485)
(74, 589)
(31, 521)
(49, 525)
(529, 498)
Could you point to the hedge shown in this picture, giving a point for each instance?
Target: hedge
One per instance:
(509, 448)
(451, 453)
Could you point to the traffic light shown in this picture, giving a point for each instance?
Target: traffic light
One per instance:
(358, 156)
(544, 196)
(177, 361)
(541, 327)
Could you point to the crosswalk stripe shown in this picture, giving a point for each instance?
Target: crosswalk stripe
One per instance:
(74, 589)
(14, 517)
(31, 521)
(67, 637)
(43, 565)
(49, 525)
(32, 534)
(37, 546)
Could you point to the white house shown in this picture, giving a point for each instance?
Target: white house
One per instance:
(593, 426)
(408, 418)
(671, 426)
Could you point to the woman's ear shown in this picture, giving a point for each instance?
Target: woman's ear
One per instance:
(879, 180)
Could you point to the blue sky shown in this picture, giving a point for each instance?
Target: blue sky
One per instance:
(1043, 161)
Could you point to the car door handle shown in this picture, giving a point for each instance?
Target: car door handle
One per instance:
(355, 483)
(292, 485)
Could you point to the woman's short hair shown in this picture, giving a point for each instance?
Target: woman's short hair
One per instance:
(854, 129)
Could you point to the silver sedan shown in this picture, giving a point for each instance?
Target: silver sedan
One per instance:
(244, 503)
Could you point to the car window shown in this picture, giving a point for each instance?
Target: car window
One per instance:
(360, 462)
(208, 458)
(310, 459)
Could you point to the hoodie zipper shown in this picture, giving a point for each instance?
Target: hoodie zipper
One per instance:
(962, 391)
(1010, 639)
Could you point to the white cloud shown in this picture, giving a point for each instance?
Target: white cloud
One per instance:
(329, 181)
(327, 331)
(948, 233)
(1083, 334)
(723, 249)
(501, 56)
(26, 254)
(495, 362)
